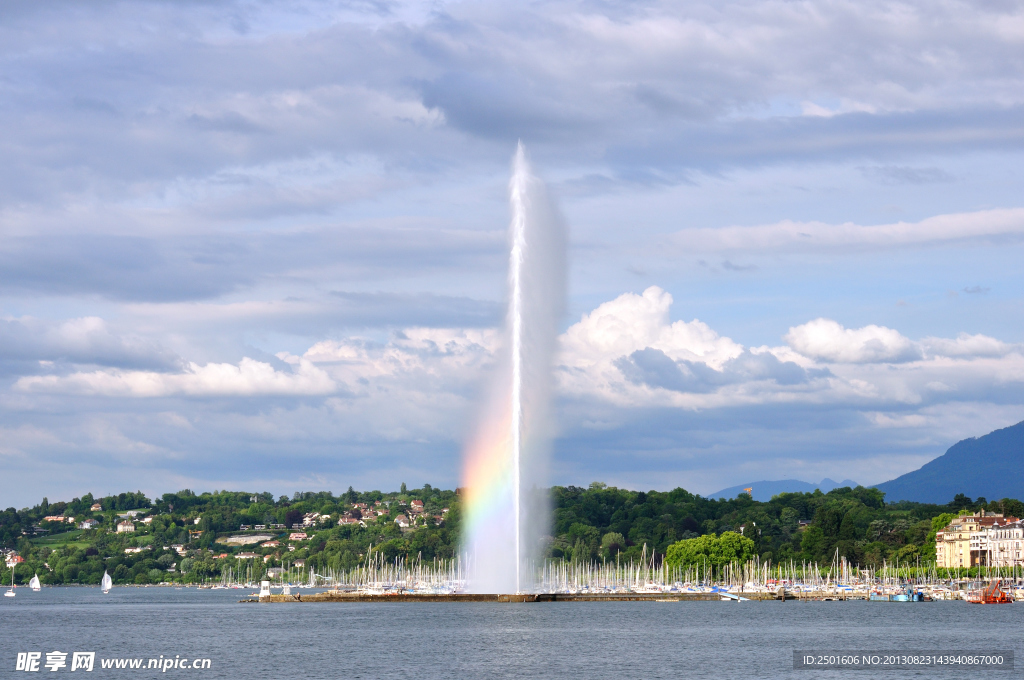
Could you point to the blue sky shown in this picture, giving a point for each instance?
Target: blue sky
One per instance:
(262, 246)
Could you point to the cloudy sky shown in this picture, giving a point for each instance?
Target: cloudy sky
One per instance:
(262, 245)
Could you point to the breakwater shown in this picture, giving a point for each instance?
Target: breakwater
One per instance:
(340, 597)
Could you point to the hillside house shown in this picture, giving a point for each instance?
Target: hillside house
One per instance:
(125, 527)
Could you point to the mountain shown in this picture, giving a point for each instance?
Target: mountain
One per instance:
(989, 466)
(763, 491)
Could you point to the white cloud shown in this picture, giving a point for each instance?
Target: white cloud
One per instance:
(632, 322)
(83, 340)
(791, 235)
(826, 340)
(965, 345)
(629, 353)
(248, 378)
(846, 106)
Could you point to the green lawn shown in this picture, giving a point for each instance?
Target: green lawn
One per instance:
(67, 538)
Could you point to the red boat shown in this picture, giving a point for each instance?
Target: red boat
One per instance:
(990, 594)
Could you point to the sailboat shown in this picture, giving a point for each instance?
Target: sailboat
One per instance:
(106, 583)
(10, 591)
(34, 584)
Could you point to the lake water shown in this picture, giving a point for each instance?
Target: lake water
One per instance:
(424, 641)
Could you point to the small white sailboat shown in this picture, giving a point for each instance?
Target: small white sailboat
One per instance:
(106, 583)
(34, 584)
(10, 591)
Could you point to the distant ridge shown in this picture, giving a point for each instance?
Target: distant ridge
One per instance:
(991, 466)
(763, 491)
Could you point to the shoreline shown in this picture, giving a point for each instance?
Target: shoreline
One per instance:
(326, 597)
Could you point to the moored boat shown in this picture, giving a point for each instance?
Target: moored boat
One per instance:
(993, 593)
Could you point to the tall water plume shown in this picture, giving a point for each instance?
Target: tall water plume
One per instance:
(505, 506)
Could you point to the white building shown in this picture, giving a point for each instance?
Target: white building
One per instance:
(124, 527)
(1000, 545)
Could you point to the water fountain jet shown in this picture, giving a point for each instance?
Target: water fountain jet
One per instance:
(505, 507)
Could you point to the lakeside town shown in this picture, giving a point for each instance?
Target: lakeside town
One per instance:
(845, 544)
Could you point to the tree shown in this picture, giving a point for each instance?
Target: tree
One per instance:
(960, 501)
(1012, 507)
(612, 543)
(714, 550)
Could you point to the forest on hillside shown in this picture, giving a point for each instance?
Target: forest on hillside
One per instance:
(182, 537)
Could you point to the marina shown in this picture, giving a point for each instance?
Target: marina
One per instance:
(558, 581)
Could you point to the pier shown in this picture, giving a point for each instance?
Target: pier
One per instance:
(329, 596)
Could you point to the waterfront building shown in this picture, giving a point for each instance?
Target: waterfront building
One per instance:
(1000, 546)
(964, 541)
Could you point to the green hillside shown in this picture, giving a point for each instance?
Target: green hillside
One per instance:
(182, 537)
